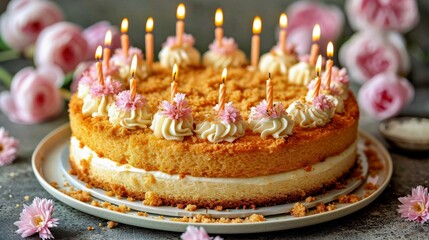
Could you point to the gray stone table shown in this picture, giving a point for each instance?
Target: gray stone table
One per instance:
(379, 220)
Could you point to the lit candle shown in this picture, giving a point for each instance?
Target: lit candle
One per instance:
(99, 65)
(133, 81)
(180, 24)
(315, 46)
(106, 50)
(329, 63)
(282, 33)
(149, 42)
(256, 41)
(318, 79)
(174, 83)
(269, 93)
(222, 91)
(125, 41)
(218, 24)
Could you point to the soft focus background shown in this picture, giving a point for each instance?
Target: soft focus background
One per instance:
(238, 17)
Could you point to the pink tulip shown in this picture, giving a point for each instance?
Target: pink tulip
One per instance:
(95, 34)
(396, 15)
(303, 15)
(34, 95)
(369, 53)
(23, 21)
(385, 95)
(61, 44)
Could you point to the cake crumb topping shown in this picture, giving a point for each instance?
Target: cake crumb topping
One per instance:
(111, 224)
(310, 199)
(351, 198)
(206, 219)
(142, 214)
(78, 195)
(191, 207)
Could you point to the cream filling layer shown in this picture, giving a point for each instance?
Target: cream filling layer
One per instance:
(84, 153)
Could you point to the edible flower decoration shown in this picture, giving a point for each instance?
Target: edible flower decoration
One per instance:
(194, 233)
(229, 114)
(260, 111)
(177, 110)
(322, 102)
(415, 207)
(110, 87)
(37, 218)
(125, 102)
(228, 46)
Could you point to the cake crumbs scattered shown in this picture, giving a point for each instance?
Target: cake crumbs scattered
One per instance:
(26, 197)
(112, 207)
(17, 205)
(90, 228)
(152, 199)
(142, 214)
(88, 186)
(218, 208)
(131, 199)
(54, 184)
(100, 224)
(191, 207)
(374, 162)
(308, 168)
(310, 199)
(351, 198)
(111, 224)
(322, 207)
(109, 193)
(72, 171)
(298, 210)
(180, 206)
(78, 195)
(118, 196)
(371, 186)
(182, 176)
(10, 196)
(103, 229)
(206, 219)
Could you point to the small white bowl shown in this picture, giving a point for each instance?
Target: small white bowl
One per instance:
(409, 133)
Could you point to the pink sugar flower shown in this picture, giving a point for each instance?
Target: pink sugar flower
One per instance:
(125, 103)
(338, 76)
(8, 148)
(111, 86)
(37, 218)
(415, 207)
(119, 57)
(188, 40)
(260, 111)
(229, 114)
(322, 102)
(194, 233)
(177, 111)
(229, 46)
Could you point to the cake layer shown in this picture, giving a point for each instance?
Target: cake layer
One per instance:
(126, 180)
(249, 156)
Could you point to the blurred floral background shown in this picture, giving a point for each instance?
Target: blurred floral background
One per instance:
(383, 43)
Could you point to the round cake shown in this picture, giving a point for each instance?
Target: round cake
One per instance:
(301, 146)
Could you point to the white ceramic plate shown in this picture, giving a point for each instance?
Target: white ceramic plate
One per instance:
(47, 166)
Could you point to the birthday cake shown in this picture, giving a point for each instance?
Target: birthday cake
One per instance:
(200, 135)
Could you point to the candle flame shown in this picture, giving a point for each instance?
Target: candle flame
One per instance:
(218, 18)
(316, 33)
(181, 12)
(319, 65)
(175, 72)
(133, 65)
(283, 20)
(330, 50)
(108, 38)
(124, 25)
(98, 53)
(257, 25)
(224, 74)
(149, 25)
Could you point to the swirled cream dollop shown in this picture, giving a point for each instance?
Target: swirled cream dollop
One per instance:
(276, 62)
(96, 106)
(171, 129)
(275, 122)
(183, 55)
(306, 115)
(220, 61)
(301, 73)
(130, 112)
(337, 101)
(221, 131)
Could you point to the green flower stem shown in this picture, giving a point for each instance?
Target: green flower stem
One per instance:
(9, 55)
(5, 77)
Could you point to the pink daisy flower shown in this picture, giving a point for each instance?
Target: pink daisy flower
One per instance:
(229, 114)
(228, 46)
(111, 87)
(125, 103)
(120, 58)
(188, 40)
(8, 148)
(322, 102)
(194, 233)
(260, 111)
(178, 111)
(37, 218)
(415, 207)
